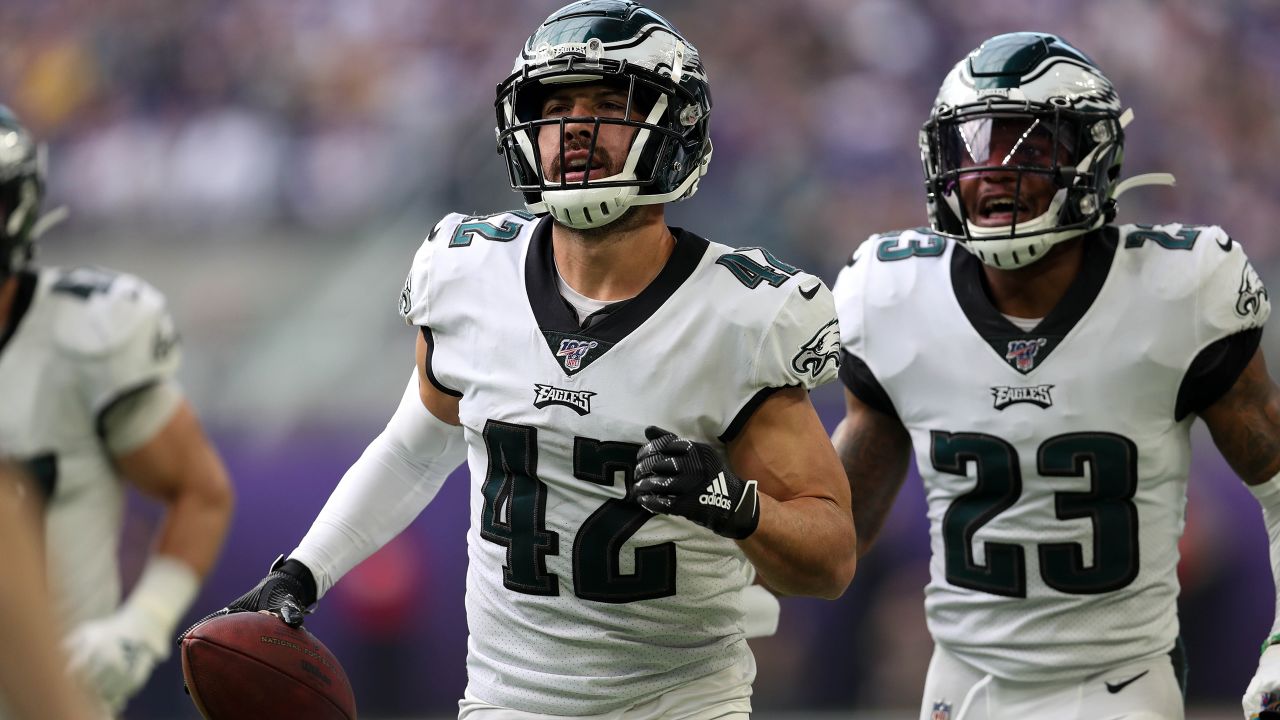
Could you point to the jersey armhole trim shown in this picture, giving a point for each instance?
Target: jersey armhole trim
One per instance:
(100, 420)
(1214, 370)
(858, 378)
(431, 348)
(749, 409)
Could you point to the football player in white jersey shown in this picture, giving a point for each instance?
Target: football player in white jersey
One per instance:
(631, 400)
(87, 359)
(1046, 366)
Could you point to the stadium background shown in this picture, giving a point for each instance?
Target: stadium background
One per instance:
(271, 165)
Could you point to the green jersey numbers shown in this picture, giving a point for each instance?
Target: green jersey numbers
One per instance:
(1111, 463)
(514, 516)
(1184, 239)
(894, 247)
(597, 548)
(485, 227)
(512, 484)
(751, 273)
(998, 488)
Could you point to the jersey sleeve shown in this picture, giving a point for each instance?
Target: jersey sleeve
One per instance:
(415, 298)
(1231, 297)
(1231, 308)
(802, 345)
(122, 336)
(850, 291)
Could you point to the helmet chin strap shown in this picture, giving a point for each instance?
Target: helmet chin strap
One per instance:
(48, 220)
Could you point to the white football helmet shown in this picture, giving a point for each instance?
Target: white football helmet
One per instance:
(621, 42)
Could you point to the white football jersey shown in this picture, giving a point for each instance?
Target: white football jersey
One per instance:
(578, 601)
(84, 339)
(1055, 460)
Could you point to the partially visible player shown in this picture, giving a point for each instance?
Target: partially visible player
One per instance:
(632, 401)
(87, 359)
(33, 672)
(1047, 365)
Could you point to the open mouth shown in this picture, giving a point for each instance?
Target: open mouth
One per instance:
(578, 166)
(578, 170)
(1001, 210)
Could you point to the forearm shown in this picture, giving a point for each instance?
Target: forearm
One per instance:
(803, 546)
(875, 451)
(196, 521)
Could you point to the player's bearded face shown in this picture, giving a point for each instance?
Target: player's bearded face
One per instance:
(1001, 195)
(580, 105)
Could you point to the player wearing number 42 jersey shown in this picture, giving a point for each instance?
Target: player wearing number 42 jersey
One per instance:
(1046, 366)
(630, 399)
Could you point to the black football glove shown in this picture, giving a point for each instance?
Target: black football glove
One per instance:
(675, 476)
(287, 590)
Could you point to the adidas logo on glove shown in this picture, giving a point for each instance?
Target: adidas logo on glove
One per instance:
(717, 493)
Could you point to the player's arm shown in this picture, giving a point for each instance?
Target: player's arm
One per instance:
(805, 539)
(33, 677)
(395, 478)
(875, 450)
(1245, 425)
(782, 495)
(389, 485)
(177, 465)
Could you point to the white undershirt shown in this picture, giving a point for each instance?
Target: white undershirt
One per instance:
(582, 305)
(1023, 324)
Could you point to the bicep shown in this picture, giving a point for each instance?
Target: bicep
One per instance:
(785, 448)
(1245, 423)
(441, 404)
(177, 459)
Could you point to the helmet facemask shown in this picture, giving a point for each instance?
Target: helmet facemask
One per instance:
(22, 169)
(1025, 150)
(667, 106)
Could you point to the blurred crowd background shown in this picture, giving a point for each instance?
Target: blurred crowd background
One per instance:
(272, 165)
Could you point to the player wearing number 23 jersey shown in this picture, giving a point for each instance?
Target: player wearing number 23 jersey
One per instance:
(1045, 365)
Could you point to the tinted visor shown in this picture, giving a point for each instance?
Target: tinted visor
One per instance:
(986, 142)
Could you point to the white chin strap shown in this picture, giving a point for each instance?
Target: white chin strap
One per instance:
(588, 207)
(994, 247)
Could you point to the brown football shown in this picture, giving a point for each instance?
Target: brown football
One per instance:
(251, 665)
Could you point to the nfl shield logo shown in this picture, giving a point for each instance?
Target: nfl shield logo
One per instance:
(941, 711)
(573, 351)
(1022, 353)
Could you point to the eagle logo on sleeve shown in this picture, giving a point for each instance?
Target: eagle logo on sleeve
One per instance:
(406, 296)
(822, 348)
(1251, 294)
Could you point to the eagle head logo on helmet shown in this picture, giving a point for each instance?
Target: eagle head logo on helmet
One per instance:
(623, 43)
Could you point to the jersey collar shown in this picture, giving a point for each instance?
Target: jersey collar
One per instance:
(574, 346)
(1025, 351)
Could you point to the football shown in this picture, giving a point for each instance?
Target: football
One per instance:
(252, 665)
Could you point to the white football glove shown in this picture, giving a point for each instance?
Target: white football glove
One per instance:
(1263, 693)
(115, 655)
